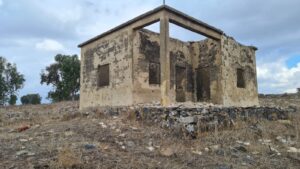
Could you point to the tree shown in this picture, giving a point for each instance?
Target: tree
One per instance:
(31, 99)
(12, 100)
(64, 76)
(10, 81)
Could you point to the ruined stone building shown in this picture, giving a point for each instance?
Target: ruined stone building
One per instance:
(129, 65)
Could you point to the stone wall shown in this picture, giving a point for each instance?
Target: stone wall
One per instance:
(115, 50)
(236, 56)
(198, 118)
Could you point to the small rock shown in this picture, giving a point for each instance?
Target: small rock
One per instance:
(293, 150)
(23, 140)
(122, 135)
(255, 152)
(264, 141)
(197, 152)
(243, 143)
(134, 128)
(273, 150)
(24, 152)
(240, 148)
(214, 147)
(220, 152)
(36, 126)
(223, 167)
(188, 120)
(89, 146)
(285, 122)
(69, 133)
(103, 125)
(130, 144)
(150, 148)
(190, 128)
(167, 151)
(51, 131)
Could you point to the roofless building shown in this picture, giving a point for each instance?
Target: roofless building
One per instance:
(129, 65)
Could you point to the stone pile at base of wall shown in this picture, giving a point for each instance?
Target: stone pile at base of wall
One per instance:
(200, 119)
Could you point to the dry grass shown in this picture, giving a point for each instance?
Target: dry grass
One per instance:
(67, 158)
(58, 135)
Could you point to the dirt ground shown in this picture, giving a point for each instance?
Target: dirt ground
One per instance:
(59, 136)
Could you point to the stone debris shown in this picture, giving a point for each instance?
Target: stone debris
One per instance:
(197, 152)
(286, 140)
(167, 151)
(69, 133)
(243, 143)
(103, 125)
(122, 135)
(293, 150)
(25, 152)
(264, 141)
(214, 147)
(274, 151)
(240, 148)
(130, 143)
(89, 146)
(287, 122)
(150, 148)
(23, 140)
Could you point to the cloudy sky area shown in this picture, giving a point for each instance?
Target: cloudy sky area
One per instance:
(32, 32)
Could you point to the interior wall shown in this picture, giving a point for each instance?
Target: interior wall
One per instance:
(146, 48)
(207, 66)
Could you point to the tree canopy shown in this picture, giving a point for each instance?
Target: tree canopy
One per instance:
(31, 99)
(10, 82)
(64, 76)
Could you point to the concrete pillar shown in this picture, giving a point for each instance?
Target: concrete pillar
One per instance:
(164, 60)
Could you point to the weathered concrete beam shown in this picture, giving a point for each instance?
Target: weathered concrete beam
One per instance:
(194, 27)
(148, 20)
(165, 60)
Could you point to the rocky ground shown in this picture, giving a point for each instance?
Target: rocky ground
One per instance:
(59, 136)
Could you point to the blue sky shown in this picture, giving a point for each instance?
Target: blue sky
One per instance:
(32, 32)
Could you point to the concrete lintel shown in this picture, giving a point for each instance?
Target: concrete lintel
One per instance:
(164, 60)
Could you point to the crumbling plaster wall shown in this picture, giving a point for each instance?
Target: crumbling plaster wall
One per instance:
(236, 56)
(207, 62)
(147, 48)
(115, 50)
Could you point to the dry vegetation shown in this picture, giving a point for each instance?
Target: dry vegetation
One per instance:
(59, 136)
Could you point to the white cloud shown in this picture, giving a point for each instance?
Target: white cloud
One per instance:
(276, 77)
(49, 45)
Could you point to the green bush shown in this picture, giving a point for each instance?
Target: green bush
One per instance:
(31, 99)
